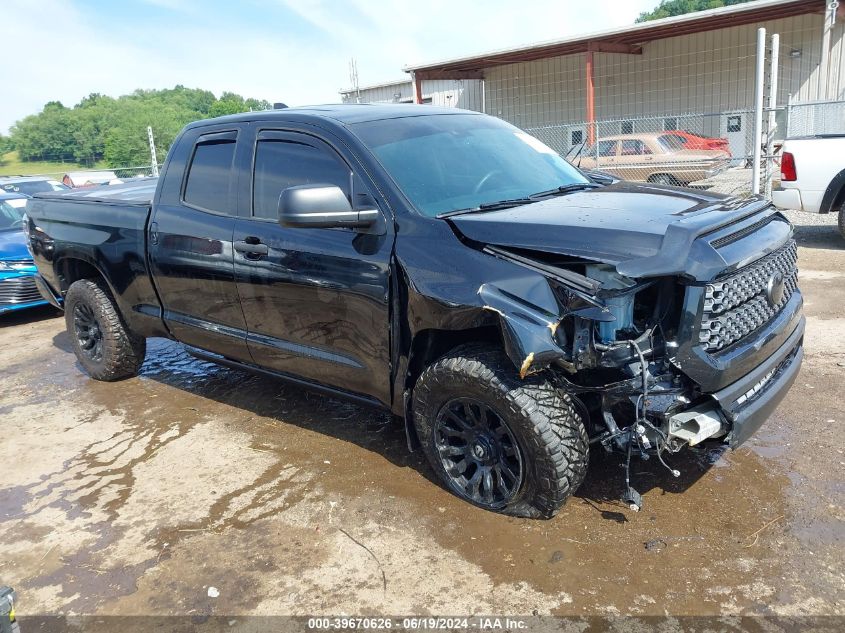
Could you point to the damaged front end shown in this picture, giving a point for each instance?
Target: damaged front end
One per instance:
(633, 351)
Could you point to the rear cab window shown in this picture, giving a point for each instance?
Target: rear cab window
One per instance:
(208, 183)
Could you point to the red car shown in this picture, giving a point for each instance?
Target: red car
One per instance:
(686, 140)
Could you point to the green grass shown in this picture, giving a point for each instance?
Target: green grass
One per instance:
(11, 165)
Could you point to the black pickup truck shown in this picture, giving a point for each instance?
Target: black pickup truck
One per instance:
(513, 310)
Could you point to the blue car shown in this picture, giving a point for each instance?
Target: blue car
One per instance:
(17, 272)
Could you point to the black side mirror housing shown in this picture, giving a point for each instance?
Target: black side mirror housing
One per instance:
(322, 206)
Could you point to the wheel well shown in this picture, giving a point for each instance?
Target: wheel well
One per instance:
(71, 269)
(835, 194)
(429, 345)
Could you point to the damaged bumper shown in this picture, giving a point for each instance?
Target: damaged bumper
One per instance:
(748, 402)
(740, 409)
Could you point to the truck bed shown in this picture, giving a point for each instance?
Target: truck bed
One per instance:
(135, 192)
(104, 230)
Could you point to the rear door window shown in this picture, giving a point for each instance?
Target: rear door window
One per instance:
(210, 175)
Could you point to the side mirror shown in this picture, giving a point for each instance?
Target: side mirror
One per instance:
(321, 206)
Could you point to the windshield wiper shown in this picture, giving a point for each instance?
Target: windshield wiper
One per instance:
(489, 206)
(515, 202)
(564, 189)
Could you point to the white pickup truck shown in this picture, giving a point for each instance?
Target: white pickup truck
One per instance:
(812, 176)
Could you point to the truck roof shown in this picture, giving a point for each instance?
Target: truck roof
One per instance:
(341, 112)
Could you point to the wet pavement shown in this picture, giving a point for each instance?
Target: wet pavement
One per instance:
(138, 497)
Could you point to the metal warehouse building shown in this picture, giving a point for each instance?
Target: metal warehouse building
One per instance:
(694, 72)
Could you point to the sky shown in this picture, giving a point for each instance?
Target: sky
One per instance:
(295, 51)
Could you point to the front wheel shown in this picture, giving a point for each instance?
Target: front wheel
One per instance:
(104, 346)
(509, 445)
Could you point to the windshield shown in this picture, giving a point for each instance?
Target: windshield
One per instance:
(447, 162)
(10, 217)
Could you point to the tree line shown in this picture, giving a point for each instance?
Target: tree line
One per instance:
(671, 8)
(104, 129)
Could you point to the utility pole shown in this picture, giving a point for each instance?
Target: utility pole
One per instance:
(353, 79)
(153, 158)
(772, 125)
(757, 142)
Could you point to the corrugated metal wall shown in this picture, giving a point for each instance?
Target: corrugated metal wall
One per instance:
(388, 93)
(466, 93)
(703, 73)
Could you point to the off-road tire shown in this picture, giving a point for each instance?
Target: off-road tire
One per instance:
(122, 352)
(543, 419)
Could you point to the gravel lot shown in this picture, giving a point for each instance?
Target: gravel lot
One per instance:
(198, 490)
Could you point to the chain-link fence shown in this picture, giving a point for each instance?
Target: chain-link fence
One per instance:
(817, 117)
(680, 109)
(90, 177)
(706, 151)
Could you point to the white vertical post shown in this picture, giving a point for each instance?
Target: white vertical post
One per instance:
(758, 111)
(773, 102)
(153, 157)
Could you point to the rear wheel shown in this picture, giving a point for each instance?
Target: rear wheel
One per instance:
(504, 444)
(104, 346)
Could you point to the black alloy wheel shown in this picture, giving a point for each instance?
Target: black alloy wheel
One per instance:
(479, 454)
(88, 332)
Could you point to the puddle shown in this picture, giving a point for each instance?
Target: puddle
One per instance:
(251, 458)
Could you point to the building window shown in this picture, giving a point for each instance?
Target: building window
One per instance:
(735, 124)
(426, 100)
(577, 137)
(670, 124)
(627, 127)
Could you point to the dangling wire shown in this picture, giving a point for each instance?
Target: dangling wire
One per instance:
(641, 409)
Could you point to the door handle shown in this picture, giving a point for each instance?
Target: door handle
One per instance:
(154, 232)
(250, 246)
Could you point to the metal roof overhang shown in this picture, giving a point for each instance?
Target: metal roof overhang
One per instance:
(627, 40)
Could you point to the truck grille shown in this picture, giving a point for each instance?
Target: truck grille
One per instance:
(18, 290)
(736, 305)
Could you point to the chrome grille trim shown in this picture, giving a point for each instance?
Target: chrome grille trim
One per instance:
(19, 290)
(736, 305)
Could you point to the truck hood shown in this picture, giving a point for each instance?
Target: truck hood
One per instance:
(644, 230)
(13, 246)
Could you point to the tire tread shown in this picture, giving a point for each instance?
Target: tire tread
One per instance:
(557, 435)
(123, 352)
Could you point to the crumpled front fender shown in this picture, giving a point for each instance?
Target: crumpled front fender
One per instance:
(529, 322)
